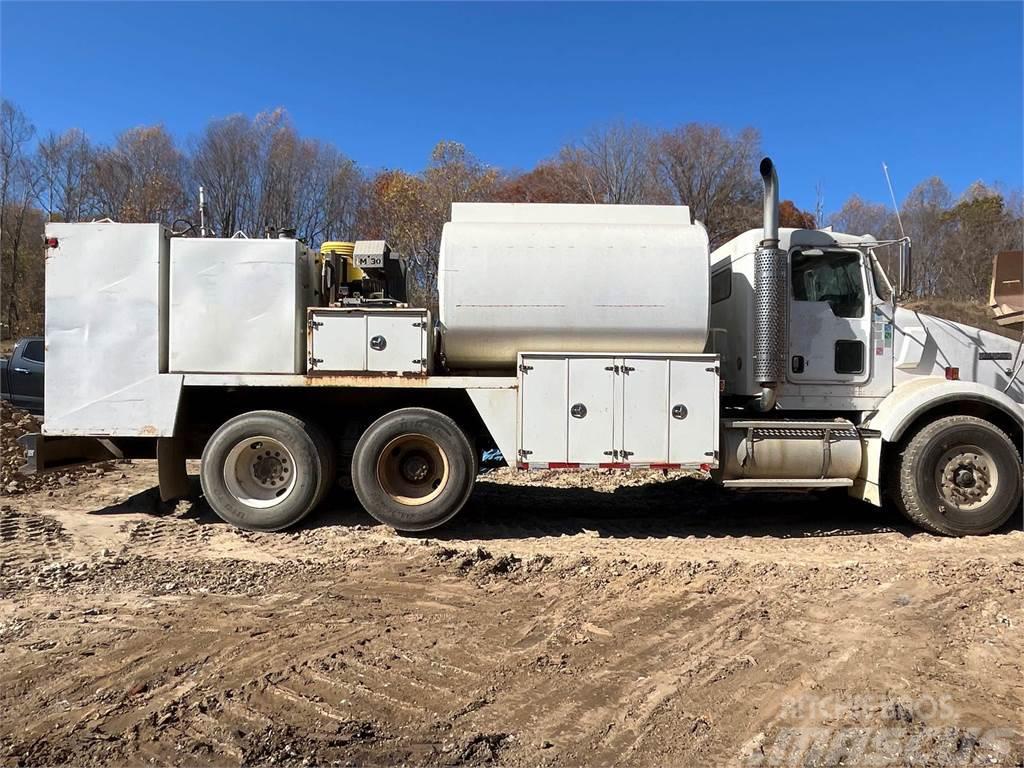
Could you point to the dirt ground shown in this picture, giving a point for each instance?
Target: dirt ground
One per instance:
(585, 619)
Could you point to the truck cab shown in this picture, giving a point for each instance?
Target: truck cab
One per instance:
(936, 405)
(849, 344)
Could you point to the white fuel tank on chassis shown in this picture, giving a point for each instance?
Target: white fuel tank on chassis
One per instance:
(539, 277)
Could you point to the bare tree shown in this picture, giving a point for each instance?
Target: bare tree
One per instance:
(141, 178)
(713, 172)
(980, 225)
(20, 225)
(225, 161)
(65, 164)
(923, 213)
(611, 164)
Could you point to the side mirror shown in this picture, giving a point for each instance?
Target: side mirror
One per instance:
(905, 281)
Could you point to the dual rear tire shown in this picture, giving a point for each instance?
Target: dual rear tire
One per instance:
(266, 470)
(412, 469)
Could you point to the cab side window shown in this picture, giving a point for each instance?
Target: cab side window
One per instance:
(835, 277)
(34, 351)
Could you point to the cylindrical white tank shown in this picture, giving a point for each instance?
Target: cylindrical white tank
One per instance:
(570, 278)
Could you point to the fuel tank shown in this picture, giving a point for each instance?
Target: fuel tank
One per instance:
(533, 277)
(790, 450)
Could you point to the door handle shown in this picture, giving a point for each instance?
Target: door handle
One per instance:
(22, 370)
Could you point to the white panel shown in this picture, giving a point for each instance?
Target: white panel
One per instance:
(693, 384)
(544, 398)
(645, 410)
(403, 340)
(339, 342)
(591, 385)
(238, 306)
(103, 332)
(497, 409)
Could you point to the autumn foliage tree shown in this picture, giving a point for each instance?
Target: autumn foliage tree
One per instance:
(791, 216)
(259, 172)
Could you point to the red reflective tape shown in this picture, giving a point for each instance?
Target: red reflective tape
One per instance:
(522, 465)
(666, 466)
(705, 467)
(614, 465)
(563, 465)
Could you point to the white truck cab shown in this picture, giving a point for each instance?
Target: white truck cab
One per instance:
(906, 380)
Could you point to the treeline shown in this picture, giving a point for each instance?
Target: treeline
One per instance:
(259, 172)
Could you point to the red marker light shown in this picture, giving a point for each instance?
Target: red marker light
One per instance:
(51, 242)
(952, 374)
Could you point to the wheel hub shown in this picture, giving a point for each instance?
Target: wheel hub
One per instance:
(260, 472)
(415, 468)
(966, 478)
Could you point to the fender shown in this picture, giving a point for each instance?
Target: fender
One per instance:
(909, 400)
(901, 407)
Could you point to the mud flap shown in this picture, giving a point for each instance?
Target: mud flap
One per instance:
(173, 477)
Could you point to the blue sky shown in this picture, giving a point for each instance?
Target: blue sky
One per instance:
(835, 88)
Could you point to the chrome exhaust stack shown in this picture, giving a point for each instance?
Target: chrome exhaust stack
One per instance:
(769, 297)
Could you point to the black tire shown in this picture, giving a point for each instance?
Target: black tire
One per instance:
(325, 447)
(944, 479)
(413, 469)
(265, 499)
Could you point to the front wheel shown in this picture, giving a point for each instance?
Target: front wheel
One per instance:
(413, 469)
(959, 475)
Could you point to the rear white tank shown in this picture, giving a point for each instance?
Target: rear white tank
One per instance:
(539, 277)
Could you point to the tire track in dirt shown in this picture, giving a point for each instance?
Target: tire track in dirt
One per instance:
(574, 634)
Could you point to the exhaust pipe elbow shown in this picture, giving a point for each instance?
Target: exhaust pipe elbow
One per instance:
(766, 400)
(770, 179)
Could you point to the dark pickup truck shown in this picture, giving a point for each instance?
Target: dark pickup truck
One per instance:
(21, 377)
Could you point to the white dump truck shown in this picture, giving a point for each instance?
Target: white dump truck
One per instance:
(568, 336)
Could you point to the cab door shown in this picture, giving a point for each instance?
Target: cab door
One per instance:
(829, 317)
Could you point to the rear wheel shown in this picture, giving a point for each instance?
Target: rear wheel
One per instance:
(413, 469)
(266, 470)
(959, 475)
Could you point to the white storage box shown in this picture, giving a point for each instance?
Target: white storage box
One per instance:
(239, 306)
(365, 339)
(106, 326)
(626, 410)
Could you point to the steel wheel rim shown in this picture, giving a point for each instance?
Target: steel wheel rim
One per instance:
(260, 472)
(413, 470)
(966, 477)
